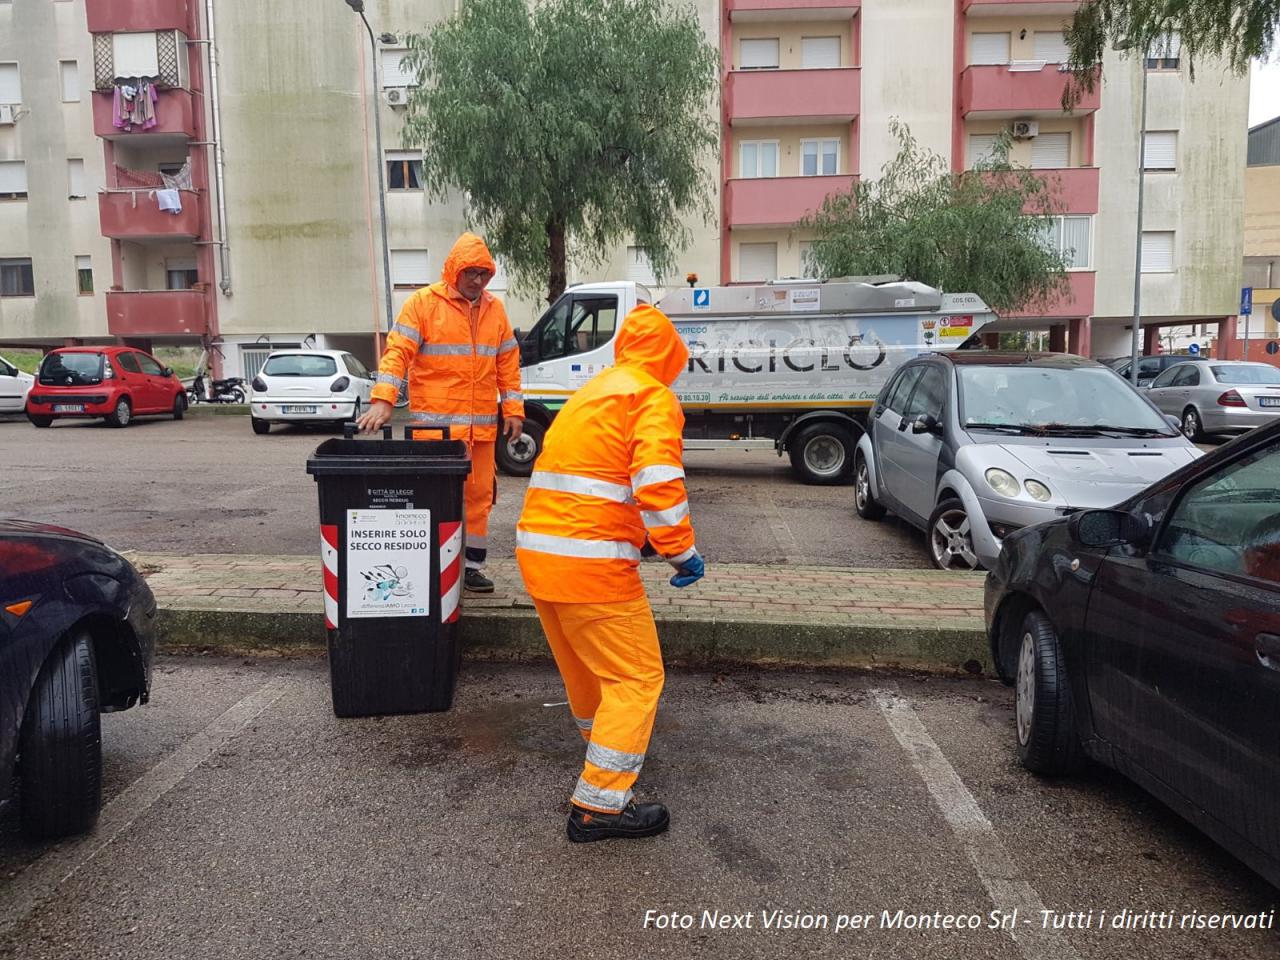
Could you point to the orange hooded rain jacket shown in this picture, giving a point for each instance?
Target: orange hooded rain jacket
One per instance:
(610, 474)
(460, 359)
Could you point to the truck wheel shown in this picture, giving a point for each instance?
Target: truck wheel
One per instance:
(822, 454)
(864, 501)
(60, 746)
(516, 457)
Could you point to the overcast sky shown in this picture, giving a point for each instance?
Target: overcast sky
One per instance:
(1264, 93)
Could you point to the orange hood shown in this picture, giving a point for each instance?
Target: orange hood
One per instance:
(468, 251)
(649, 340)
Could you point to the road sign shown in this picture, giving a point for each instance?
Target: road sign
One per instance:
(1194, 349)
(1246, 301)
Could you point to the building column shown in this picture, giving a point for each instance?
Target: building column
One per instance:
(1058, 338)
(1150, 340)
(990, 341)
(1079, 335)
(1226, 338)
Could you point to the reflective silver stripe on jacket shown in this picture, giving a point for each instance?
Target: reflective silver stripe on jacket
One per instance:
(506, 346)
(608, 759)
(409, 333)
(593, 796)
(505, 395)
(584, 724)
(445, 350)
(585, 486)
(665, 518)
(659, 474)
(456, 419)
(569, 547)
(391, 379)
(682, 558)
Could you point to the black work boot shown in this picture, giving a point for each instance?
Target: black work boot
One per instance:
(635, 820)
(477, 582)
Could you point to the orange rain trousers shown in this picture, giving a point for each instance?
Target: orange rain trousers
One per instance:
(478, 493)
(611, 663)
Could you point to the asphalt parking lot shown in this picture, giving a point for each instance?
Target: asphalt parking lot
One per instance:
(244, 820)
(208, 484)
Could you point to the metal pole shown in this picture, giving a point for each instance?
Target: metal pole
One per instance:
(382, 175)
(1136, 350)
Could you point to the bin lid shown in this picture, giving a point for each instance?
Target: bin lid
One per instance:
(341, 457)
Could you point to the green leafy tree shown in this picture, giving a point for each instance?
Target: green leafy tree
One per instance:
(570, 125)
(1236, 30)
(977, 230)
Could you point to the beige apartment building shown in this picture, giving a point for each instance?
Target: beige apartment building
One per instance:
(256, 122)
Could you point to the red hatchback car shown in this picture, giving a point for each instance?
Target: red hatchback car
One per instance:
(115, 383)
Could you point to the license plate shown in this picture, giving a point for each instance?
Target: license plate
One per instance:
(297, 408)
(68, 408)
(1269, 401)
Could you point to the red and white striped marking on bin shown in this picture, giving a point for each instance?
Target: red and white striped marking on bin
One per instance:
(329, 553)
(450, 570)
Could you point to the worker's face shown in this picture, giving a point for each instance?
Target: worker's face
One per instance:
(472, 281)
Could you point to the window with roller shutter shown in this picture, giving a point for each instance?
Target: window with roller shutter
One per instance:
(410, 269)
(13, 180)
(638, 268)
(1157, 251)
(1160, 150)
(988, 48)
(1051, 46)
(819, 53)
(757, 261)
(10, 85)
(395, 72)
(1051, 151)
(758, 53)
(981, 147)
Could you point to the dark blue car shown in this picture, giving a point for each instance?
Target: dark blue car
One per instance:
(77, 636)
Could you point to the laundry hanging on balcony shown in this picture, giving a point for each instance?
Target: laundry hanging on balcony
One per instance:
(134, 104)
(170, 201)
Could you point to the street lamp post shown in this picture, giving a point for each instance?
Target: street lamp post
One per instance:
(1135, 349)
(358, 7)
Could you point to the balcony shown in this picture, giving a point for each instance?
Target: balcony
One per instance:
(1078, 301)
(175, 119)
(748, 11)
(757, 97)
(779, 201)
(157, 313)
(135, 215)
(1018, 8)
(1077, 187)
(1002, 91)
(136, 16)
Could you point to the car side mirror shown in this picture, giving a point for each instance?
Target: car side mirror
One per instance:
(1108, 528)
(1173, 421)
(926, 424)
(166, 372)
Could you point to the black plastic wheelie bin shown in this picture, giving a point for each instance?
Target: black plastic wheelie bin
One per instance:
(391, 538)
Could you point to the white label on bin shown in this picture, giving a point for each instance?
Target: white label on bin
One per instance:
(388, 563)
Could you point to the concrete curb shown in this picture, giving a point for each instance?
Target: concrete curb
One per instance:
(218, 410)
(516, 635)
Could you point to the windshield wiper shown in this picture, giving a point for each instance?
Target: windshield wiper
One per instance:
(1006, 427)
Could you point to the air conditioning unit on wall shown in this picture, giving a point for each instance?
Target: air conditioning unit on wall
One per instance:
(7, 112)
(1025, 129)
(397, 96)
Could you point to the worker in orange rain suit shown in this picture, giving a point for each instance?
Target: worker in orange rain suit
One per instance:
(454, 345)
(609, 474)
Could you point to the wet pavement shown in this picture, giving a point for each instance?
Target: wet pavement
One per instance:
(244, 820)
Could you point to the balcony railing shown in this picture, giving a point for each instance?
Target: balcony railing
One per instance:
(745, 11)
(175, 117)
(762, 96)
(1019, 90)
(136, 215)
(779, 201)
(157, 313)
(1010, 8)
(137, 16)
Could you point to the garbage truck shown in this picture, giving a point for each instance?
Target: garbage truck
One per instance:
(791, 366)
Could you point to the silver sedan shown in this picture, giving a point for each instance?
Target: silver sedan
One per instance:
(1224, 396)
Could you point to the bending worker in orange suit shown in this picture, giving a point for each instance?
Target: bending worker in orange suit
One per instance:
(609, 476)
(454, 346)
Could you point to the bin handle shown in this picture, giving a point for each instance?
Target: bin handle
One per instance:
(349, 431)
(409, 431)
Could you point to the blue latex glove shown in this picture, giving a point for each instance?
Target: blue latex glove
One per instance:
(691, 571)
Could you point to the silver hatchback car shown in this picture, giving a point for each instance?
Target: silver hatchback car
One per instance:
(970, 446)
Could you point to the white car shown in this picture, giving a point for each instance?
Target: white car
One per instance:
(308, 386)
(14, 387)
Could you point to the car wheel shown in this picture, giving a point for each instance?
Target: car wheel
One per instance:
(60, 746)
(1043, 705)
(260, 427)
(121, 415)
(1192, 428)
(864, 500)
(179, 406)
(950, 538)
(355, 414)
(822, 454)
(516, 457)
(40, 421)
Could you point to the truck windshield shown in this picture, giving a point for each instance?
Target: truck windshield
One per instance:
(575, 324)
(1057, 400)
(71, 369)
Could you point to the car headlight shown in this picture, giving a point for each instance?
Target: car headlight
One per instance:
(1038, 490)
(1002, 482)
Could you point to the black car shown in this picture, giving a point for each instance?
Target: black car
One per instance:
(1149, 367)
(1147, 637)
(77, 636)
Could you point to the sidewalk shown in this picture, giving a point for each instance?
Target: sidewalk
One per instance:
(740, 613)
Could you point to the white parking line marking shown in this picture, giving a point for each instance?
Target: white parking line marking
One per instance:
(41, 880)
(781, 531)
(1006, 888)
